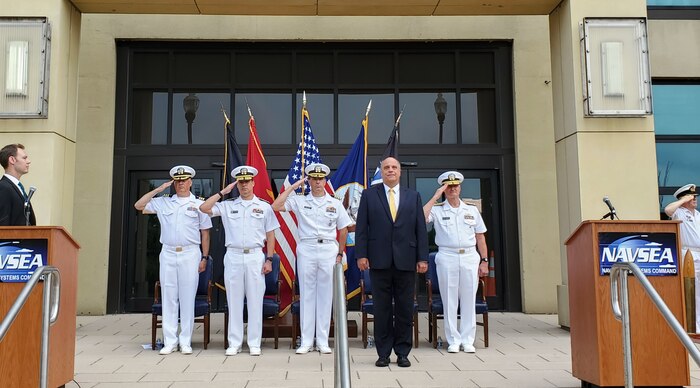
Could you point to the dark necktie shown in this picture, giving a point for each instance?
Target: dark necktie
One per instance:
(21, 187)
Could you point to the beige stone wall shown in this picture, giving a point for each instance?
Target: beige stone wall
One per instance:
(51, 141)
(533, 118)
(595, 157)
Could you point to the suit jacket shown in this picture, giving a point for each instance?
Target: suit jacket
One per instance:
(12, 205)
(403, 242)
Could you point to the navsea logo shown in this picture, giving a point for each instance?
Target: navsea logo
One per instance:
(654, 253)
(20, 258)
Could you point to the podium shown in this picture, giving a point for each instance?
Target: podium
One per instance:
(658, 357)
(20, 350)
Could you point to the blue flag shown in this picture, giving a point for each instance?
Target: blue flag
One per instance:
(349, 181)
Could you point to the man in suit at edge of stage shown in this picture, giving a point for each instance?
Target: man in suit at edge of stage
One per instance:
(13, 198)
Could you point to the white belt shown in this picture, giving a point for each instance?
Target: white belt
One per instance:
(318, 240)
(457, 250)
(179, 248)
(244, 250)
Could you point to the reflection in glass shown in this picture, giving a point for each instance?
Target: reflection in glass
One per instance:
(419, 123)
(478, 117)
(150, 119)
(676, 109)
(320, 108)
(677, 163)
(205, 123)
(273, 117)
(351, 112)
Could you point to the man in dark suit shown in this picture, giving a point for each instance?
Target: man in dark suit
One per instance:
(15, 161)
(391, 236)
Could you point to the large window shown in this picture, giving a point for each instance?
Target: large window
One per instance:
(677, 126)
(448, 92)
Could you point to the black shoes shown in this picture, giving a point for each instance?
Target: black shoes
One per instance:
(382, 362)
(403, 362)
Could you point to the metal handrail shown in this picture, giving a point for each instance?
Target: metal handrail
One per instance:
(619, 272)
(342, 352)
(49, 311)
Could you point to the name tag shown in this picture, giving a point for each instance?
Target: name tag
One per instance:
(308, 207)
(234, 211)
(445, 218)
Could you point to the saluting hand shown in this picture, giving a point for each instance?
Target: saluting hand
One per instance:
(439, 191)
(687, 198)
(164, 186)
(298, 183)
(229, 188)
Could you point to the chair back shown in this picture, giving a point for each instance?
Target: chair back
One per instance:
(271, 284)
(432, 273)
(367, 282)
(204, 278)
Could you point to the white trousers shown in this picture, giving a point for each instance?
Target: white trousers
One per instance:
(244, 279)
(179, 277)
(696, 262)
(458, 275)
(315, 276)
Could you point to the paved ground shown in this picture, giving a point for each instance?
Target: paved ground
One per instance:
(525, 351)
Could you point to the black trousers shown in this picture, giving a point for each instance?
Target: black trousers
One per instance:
(393, 292)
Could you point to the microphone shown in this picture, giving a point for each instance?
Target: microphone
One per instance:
(32, 190)
(610, 207)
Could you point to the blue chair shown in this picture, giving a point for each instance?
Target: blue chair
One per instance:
(271, 301)
(435, 307)
(202, 305)
(367, 309)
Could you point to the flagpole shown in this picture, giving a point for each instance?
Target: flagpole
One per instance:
(369, 107)
(303, 145)
(226, 121)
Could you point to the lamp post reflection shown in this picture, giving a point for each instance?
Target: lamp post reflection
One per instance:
(190, 103)
(440, 110)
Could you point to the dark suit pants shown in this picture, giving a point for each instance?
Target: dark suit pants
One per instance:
(392, 291)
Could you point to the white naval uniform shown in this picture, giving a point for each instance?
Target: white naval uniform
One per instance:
(690, 240)
(180, 225)
(319, 219)
(245, 224)
(458, 273)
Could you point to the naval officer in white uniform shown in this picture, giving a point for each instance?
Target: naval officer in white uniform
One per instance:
(182, 229)
(323, 232)
(461, 258)
(250, 224)
(685, 210)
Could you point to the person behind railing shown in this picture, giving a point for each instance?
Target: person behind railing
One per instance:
(250, 224)
(13, 197)
(323, 233)
(182, 229)
(461, 258)
(685, 210)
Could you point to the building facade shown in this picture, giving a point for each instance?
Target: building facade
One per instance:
(515, 125)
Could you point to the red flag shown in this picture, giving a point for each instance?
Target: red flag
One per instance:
(285, 243)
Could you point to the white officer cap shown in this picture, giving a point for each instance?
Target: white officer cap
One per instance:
(450, 178)
(182, 172)
(685, 190)
(244, 173)
(317, 170)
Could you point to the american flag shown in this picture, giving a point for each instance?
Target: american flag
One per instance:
(287, 235)
(307, 153)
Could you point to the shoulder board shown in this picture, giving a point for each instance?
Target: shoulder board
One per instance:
(201, 198)
(230, 199)
(165, 195)
(266, 201)
(439, 204)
